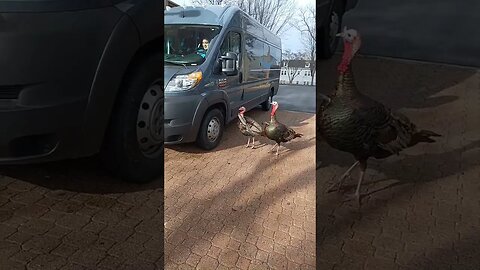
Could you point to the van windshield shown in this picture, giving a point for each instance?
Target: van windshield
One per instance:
(188, 44)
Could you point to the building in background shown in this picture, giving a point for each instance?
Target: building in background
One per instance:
(297, 72)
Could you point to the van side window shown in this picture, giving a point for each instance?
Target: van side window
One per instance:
(255, 52)
(231, 43)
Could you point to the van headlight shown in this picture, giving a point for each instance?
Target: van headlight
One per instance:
(184, 82)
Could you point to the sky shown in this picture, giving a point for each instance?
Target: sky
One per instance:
(291, 39)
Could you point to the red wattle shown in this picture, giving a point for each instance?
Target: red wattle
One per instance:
(274, 109)
(346, 57)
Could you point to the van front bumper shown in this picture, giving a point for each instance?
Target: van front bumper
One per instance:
(40, 134)
(183, 116)
(48, 63)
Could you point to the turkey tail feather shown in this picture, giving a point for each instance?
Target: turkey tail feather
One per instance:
(424, 136)
(429, 133)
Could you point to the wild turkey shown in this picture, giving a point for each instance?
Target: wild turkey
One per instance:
(352, 122)
(248, 126)
(277, 131)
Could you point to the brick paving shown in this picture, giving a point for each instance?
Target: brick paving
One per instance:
(72, 215)
(423, 208)
(241, 208)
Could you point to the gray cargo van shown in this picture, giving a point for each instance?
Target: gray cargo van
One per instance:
(80, 78)
(217, 59)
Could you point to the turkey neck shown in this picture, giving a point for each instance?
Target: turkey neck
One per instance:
(346, 82)
(273, 116)
(242, 119)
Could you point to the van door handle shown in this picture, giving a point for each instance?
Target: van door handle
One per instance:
(240, 77)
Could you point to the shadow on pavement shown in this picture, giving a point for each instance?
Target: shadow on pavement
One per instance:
(433, 166)
(78, 175)
(220, 213)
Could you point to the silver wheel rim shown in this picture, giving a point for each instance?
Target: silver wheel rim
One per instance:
(150, 122)
(213, 129)
(269, 102)
(334, 24)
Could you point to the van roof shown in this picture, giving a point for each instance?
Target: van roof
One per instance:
(208, 15)
(215, 15)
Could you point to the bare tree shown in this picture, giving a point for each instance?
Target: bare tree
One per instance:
(291, 64)
(292, 72)
(307, 26)
(210, 2)
(275, 15)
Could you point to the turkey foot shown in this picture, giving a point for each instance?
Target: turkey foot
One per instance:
(277, 146)
(253, 144)
(339, 183)
(248, 142)
(357, 195)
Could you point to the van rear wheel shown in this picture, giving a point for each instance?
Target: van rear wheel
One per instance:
(211, 130)
(133, 146)
(267, 104)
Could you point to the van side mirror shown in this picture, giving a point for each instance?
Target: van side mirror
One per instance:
(229, 63)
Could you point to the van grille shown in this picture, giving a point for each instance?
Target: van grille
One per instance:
(10, 91)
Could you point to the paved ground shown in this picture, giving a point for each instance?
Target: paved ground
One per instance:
(296, 98)
(72, 215)
(241, 208)
(422, 211)
(237, 206)
(431, 30)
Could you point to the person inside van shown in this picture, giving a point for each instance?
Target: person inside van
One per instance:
(202, 51)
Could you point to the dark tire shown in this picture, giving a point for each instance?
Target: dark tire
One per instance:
(328, 42)
(133, 146)
(211, 130)
(267, 104)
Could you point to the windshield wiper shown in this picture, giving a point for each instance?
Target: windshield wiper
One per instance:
(175, 63)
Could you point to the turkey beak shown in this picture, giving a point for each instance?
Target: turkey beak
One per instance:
(342, 34)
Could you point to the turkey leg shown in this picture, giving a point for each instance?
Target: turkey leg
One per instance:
(339, 183)
(357, 195)
(248, 142)
(253, 144)
(276, 145)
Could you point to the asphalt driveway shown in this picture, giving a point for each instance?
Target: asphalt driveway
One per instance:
(430, 30)
(297, 98)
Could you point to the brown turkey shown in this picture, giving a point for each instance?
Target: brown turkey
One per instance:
(277, 131)
(248, 126)
(352, 122)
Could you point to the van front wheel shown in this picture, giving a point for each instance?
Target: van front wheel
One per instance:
(328, 39)
(211, 130)
(133, 146)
